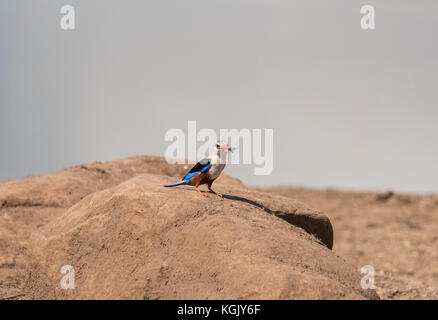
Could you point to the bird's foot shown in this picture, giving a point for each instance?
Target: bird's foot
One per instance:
(216, 193)
(199, 191)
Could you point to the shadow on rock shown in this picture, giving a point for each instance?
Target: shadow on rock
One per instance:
(320, 228)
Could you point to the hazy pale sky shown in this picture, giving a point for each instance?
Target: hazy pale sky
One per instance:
(349, 108)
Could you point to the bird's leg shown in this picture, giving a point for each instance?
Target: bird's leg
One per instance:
(199, 191)
(214, 192)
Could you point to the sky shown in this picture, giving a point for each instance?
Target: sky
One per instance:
(349, 108)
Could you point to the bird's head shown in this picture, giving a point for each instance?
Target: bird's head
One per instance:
(220, 145)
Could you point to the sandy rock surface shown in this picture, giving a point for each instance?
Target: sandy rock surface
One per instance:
(129, 238)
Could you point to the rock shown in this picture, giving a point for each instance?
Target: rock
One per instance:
(138, 240)
(128, 237)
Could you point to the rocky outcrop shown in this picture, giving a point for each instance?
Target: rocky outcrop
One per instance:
(127, 237)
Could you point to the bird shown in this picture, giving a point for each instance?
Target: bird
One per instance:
(207, 170)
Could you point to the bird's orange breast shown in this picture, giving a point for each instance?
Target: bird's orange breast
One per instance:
(200, 178)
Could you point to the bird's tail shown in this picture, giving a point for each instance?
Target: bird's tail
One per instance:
(176, 183)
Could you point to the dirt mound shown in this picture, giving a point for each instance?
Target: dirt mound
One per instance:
(142, 241)
(128, 237)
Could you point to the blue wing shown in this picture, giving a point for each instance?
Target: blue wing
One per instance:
(201, 166)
